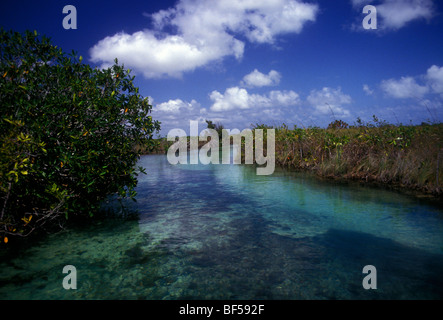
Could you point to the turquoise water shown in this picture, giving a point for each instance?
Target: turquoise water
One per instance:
(222, 232)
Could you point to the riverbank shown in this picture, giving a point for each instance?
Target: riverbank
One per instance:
(403, 157)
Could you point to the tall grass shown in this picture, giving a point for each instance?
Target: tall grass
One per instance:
(404, 155)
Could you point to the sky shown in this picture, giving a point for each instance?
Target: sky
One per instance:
(245, 62)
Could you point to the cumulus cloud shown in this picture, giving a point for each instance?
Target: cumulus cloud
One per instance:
(233, 98)
(204, 31)
(176, 106)
(284, 98)
(258, 79)
(154, 58)
(434, 76)
(406, 87)
(328, 99)
(415, 87)
(396, 14)
(239, 98)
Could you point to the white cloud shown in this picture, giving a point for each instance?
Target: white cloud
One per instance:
(284, 98)
(368, 90)
(258, 79)
(233, 98)
(434, 76)
(153, 57)
(176, 106)
(266, 19)
(206, 32)
(176, 113)
(410, 87)
(239, 98)
(328, 99)
(396, 14)
(404, 88)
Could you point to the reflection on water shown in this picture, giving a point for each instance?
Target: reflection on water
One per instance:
(222, 232)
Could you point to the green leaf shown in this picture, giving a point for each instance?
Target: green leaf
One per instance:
(72, 125)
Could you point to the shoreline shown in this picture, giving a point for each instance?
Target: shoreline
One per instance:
(408, 158)
(420, 193)
(414, 191)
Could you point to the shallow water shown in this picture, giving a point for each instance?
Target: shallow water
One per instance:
(222, 232)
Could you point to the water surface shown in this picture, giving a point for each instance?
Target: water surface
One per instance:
(222, 232)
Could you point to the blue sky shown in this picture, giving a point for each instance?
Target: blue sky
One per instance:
(238, 62)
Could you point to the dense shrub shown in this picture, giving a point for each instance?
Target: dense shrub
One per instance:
(67, 133)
